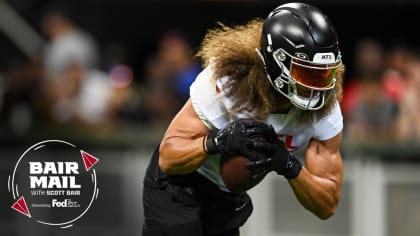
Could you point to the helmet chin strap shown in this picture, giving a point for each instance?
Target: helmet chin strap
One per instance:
(304, 103)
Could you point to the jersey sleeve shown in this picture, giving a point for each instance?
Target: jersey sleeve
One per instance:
(330, 125)
(207, 100)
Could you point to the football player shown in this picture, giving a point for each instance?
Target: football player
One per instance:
(280, 77)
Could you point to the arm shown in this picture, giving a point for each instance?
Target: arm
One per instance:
(318, 185)
(187, 141)
(181, 150)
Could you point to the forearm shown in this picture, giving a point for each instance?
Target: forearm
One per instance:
(316, 194)
(179, 155)
(188, 142)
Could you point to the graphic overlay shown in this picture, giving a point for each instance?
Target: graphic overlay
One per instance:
(54, 183)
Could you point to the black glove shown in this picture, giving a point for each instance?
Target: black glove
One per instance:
(280, 160)
(238, 138)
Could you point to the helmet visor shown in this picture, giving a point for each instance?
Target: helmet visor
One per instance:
(313, 75)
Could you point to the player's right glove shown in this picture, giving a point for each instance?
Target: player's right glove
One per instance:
(280, 160)
(238, 138)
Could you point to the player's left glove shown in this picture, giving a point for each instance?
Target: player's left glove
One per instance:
(280, 160)
(238, 137)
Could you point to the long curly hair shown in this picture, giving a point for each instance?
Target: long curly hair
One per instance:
(232, 52)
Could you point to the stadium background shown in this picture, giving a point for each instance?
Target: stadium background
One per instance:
(382, 180)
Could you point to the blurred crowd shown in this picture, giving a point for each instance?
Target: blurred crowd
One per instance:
(75, 82)
(381, 98)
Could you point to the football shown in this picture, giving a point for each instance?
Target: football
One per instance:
(235, 175)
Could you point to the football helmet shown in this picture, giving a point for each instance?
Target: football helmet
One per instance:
(300, 53)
